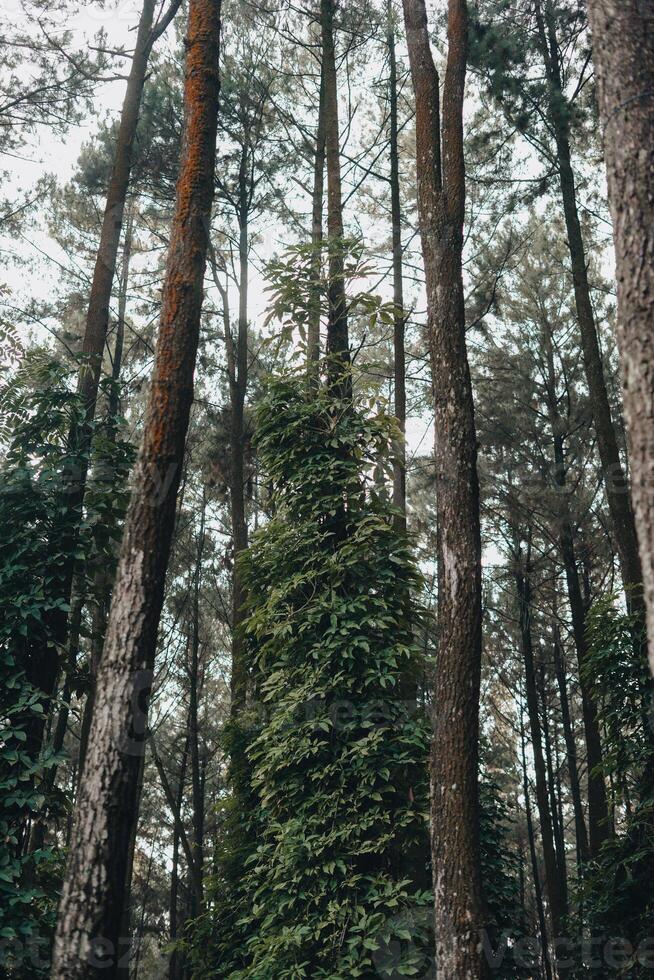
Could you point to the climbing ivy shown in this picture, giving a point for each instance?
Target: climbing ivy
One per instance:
(334, 858)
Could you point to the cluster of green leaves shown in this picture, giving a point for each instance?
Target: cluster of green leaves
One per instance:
(617, 894)
(39, 528)
(336, 787)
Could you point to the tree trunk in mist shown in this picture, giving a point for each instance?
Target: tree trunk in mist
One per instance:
(553, 882)
(175, 965)
(313, 331)
(91, 907)
(454, 758)
(623, 55)
(338, 345)
(399, 319)
(615, 480)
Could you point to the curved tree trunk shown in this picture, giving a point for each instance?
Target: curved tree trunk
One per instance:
(91, 907)
(454, 759)
(623, 54)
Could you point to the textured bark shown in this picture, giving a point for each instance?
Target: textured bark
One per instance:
(623, 54)
(399, 319)
(338, 345)
(553, 883)
(615, 480)
(91, 908)
(454, 759)
(313, 332)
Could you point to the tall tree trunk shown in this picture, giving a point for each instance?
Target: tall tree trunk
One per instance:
(313, 332)
(615, 480)
(103, 575)
(338, 345)
(553, 786)
(45, 669)
(238, 378)
(454, 758)
(623, 54)
(581, 834)
(175, 963)
(553, 882)
(92, 900)
(399, 319)
(538, 892)
(194, 698)
(598, 826)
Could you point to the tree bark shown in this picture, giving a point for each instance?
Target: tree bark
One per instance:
(454, 758)
(91, 907)
(399, 319)
(338, 345)
(615, 480)
(623, 54)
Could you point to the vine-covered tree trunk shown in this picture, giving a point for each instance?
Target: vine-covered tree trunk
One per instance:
(91, 905)
(623, 54)
(399, 319)
(454, 762)
(338, 345)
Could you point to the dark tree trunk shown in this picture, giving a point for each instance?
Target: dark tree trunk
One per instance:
(615, 481)
(454, 759)
(194, 731)
(553, 787)
(538, 892)
(399, 319)
(92, 901)
(237, 364)
(598, 827)
(45, 670)
(313, 333)
(623, 54)
(175, 963)
(338, 345)
(553, 883)
(581, 833)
